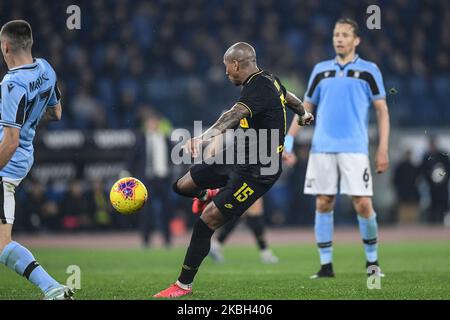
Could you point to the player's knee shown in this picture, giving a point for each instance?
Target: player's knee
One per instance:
(5, 238)
(363, 206)
(257, 209)
(325, 203)
(186, 187)
(213, 218)
(180, 188)
(176, 188)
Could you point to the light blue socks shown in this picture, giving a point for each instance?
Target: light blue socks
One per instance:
(369, 232)
(323, 230)
(21, 260)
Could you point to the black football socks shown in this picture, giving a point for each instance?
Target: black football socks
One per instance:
(197, 251)
(256, 224)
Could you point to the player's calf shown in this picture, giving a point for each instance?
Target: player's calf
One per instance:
(21, 260)
(198, 249)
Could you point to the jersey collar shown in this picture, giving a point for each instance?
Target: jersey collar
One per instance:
(342, 67)
(25, 66)
(250, 77)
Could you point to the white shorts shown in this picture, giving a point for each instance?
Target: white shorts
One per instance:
(7, 201)
(326, 169)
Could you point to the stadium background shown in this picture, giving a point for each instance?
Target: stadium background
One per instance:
(132, 58)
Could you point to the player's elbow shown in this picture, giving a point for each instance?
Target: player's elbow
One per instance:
(57, 114)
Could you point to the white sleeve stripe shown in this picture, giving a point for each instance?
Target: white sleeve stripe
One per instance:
(10, 124)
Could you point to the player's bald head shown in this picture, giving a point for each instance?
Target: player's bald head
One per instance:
(241, 52)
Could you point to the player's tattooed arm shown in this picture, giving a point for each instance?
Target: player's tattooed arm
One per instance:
(53, 113)
(296, 105)
(227, 120)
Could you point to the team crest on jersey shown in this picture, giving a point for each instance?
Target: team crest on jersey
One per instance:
(244, 123)
(280, 148)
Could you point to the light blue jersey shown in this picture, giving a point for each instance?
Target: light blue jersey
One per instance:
(26, 92)
(343, 95)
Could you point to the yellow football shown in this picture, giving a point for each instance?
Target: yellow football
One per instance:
(128, 195)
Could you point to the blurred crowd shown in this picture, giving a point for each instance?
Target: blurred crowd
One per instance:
(169, 53)
(129, 55)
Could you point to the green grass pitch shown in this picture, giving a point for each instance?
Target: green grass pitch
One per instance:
(419, 270)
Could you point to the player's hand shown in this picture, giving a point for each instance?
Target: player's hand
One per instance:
(193, 146)
(289, 158)
(306, 119)
(381, 161)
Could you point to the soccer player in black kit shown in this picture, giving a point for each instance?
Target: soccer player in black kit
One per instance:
(262, 105)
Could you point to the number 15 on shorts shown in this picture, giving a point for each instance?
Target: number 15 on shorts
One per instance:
(243, 193)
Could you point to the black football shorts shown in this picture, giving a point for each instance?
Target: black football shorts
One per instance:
(237, 193)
